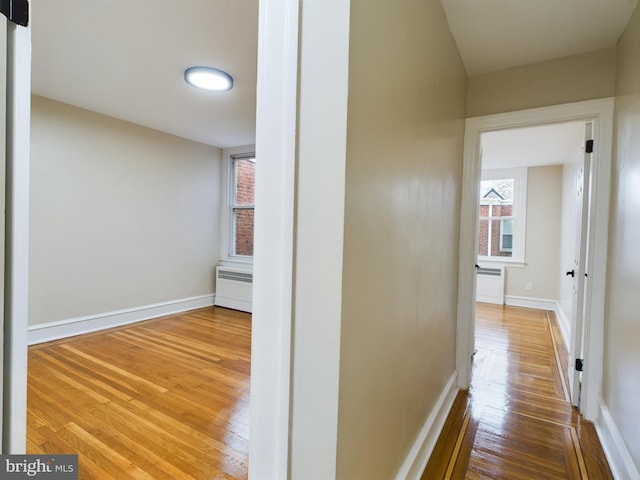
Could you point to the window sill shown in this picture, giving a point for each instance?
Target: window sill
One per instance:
(503, 262)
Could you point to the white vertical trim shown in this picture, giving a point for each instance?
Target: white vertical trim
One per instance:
(273, 254)
(3, 151)
(320, 210)
(597, 243)
(468, 254)
(17, 239)
(601, 113)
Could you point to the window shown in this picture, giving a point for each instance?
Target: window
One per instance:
(238, 205)
(244, 173)
(502, 215)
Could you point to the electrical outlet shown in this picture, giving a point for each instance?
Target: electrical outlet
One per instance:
(528, 286)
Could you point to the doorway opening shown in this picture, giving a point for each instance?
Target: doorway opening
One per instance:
(15, 383)
(532, 231)
(598, 114)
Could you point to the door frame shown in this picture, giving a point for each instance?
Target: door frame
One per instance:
(579, 266)
(273, 264)
(601, 113)
(16, 272)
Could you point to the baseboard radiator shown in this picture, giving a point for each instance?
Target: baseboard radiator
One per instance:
(490, 285)
(234, 288)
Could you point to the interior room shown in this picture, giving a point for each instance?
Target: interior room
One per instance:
(365, 123)
(130, 220)
(547, 156)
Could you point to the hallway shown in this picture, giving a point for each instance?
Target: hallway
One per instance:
(516, 422)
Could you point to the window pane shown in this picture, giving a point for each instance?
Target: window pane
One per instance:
(243, 231)
(245, 172)
(507, 242)
(496, 203)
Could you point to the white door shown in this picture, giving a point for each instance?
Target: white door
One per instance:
(578, 272)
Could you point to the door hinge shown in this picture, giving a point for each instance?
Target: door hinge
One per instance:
(579, 364)
(589, 146)
(17, 11)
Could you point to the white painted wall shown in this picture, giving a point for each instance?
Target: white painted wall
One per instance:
(544, 193)
(121, 216)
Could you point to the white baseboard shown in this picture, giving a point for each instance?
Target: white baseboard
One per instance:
(530, 302)
(416, 461)
(47, 332)
(563, 323)
(615, 449)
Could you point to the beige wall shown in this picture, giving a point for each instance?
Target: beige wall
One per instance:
(542, 240)
(565, 80)
(622, 344)
(121, 216)
(403, 178)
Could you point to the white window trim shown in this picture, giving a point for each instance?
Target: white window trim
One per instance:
(226, 214)
(519, 213)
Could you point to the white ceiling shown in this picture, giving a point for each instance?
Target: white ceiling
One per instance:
(497, 34)
(555, 144)
(125, 58)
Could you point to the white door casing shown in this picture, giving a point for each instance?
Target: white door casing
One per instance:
(14, 434)
(600, 113)
(277, 96)
(3, 133)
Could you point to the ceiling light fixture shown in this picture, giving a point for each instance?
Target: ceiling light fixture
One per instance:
(208, 78)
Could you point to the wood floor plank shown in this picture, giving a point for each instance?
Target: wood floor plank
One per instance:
(161, 399)
(520, 425)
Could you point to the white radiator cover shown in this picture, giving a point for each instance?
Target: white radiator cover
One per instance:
(234, 288)
(490, 285)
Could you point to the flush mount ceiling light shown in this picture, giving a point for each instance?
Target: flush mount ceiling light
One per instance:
(208, 78)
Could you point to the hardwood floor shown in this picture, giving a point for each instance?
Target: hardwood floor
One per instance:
(516, 422)
(162, 399)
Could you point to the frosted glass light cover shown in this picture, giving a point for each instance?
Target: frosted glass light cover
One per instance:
(208, 78)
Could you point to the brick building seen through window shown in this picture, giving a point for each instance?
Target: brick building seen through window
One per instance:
(243, 205)
(496, 219)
